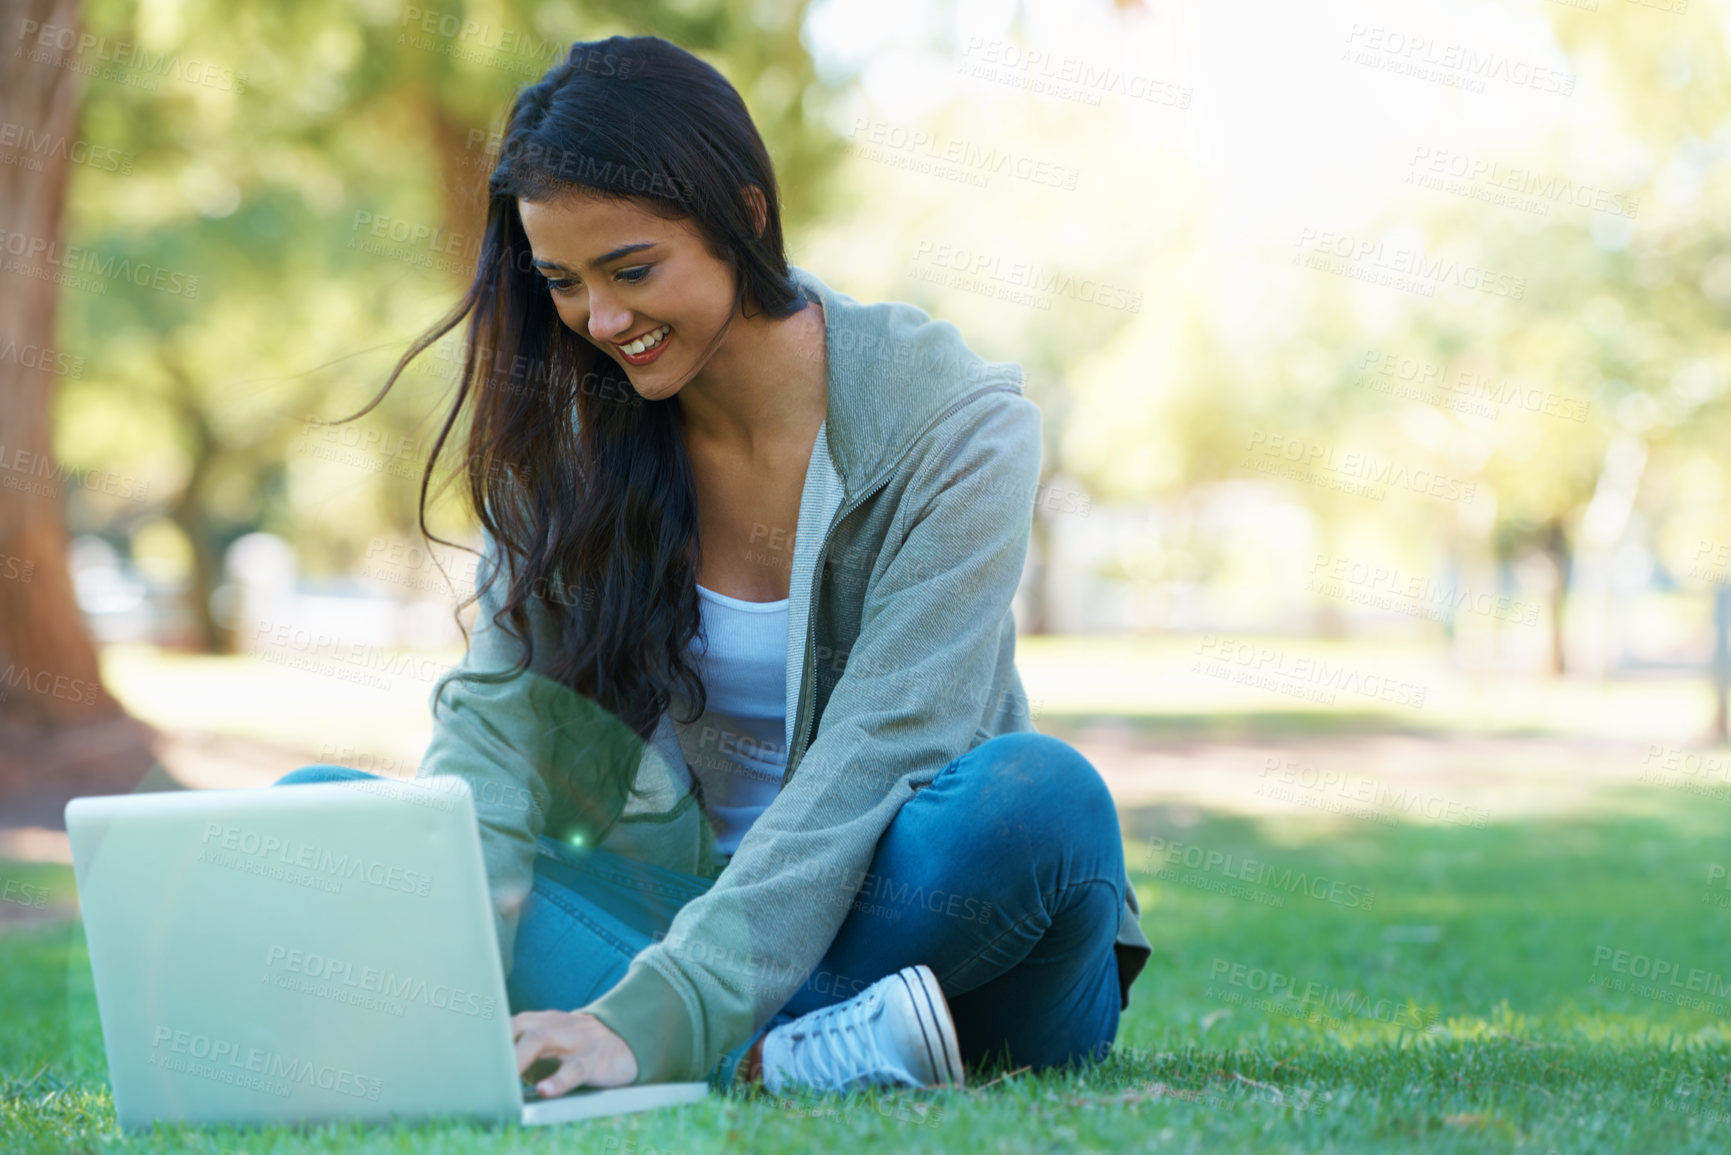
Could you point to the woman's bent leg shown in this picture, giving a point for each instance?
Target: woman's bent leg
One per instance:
(1006, 877)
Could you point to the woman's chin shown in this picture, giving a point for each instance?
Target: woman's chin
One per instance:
(653, 386)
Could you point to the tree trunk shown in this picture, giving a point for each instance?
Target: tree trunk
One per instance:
(50, 685)
(190, 511)
(41, 630)
(1038, 605)
(1556, 547)
(1721, 663)
(463, 154)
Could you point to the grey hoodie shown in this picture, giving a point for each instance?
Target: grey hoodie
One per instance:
(912, 536)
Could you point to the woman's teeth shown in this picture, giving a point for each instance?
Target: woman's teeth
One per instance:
(647, 341)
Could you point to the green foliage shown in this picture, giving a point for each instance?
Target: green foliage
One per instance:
(255, 188)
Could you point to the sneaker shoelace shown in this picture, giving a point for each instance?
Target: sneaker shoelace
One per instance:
(834, 1038)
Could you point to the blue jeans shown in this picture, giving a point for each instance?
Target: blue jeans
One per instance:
(1005, 876)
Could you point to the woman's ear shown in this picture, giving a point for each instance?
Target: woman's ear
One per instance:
(759, 208)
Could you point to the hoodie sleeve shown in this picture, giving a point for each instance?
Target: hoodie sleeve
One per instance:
(516, 738)
(907, 703)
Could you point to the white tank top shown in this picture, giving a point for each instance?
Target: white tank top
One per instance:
(737, 748)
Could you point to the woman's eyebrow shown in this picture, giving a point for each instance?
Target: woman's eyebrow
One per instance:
(604, 258)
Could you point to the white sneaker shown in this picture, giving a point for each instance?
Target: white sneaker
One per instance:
(898, 1030)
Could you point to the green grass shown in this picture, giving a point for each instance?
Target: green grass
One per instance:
(1231, 725)
(1455, 1012)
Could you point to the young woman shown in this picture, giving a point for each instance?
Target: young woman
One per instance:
(759, 793)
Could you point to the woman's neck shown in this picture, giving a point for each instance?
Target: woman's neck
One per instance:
(766, 385)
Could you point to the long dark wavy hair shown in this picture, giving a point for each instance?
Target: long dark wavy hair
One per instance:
(585, 487)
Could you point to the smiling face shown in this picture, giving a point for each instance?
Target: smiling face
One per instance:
(617, 273)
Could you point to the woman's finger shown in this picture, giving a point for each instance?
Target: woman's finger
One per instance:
(535, 1041)
(571, 1073)
(523, 1020)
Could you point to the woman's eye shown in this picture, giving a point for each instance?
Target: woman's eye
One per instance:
(564, 284)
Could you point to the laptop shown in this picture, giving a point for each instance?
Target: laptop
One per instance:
(304, 954)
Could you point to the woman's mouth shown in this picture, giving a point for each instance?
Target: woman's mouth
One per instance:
(642, 350)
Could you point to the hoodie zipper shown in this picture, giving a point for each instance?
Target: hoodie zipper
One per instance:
(810, 684)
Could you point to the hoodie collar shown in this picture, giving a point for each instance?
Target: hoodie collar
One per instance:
(892, 371)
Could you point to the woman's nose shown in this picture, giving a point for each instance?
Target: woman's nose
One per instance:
(609, 324)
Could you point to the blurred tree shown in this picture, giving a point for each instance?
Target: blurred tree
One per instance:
(50, 683)
(1624, 312)
(325, 194)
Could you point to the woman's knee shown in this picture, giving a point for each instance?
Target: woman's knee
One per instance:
(1034, 773)
(321, 772)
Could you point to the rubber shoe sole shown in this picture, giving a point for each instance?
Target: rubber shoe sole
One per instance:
(937, 1028)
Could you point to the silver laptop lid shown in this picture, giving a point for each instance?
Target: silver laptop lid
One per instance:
(294, 954)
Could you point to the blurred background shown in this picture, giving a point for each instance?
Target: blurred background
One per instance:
(1382, 351)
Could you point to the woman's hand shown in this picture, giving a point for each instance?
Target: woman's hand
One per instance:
(588, 1054)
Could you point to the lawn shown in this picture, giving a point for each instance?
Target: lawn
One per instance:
(1319, 983)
